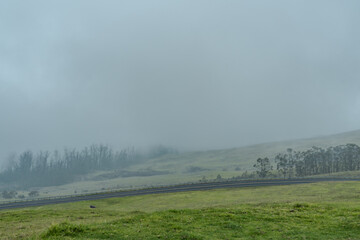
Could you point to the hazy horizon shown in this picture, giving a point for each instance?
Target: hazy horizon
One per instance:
(195, 75)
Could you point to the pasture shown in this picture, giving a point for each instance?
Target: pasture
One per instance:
(309, 211)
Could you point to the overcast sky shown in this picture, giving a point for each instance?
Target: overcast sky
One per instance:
(190, 74)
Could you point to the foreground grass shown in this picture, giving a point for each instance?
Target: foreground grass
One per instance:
(279, 221)
(328, 210)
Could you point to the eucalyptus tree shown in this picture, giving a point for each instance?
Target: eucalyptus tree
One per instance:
(263, 167)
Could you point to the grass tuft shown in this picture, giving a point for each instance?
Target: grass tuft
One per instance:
(64, 229)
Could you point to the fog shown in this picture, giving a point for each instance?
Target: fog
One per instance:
(195, 75)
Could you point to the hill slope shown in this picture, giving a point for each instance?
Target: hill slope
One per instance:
(193, 166)
(244, 157)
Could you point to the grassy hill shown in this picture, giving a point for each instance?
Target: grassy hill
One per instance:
(193, 166)
(244, 157)
(327, 210)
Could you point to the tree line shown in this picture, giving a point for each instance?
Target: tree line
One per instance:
(311, 162)
(55, 168)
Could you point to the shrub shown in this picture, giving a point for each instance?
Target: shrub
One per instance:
(22, 196)
(193, 169)
(64, 229)
(9, 194)
(33, 194)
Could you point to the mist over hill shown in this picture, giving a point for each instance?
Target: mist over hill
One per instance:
(194, 75)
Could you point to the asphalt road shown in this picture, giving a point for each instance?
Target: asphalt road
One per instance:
(169, 189)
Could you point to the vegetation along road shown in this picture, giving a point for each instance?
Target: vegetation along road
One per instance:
(168, 189)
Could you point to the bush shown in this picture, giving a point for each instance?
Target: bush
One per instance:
(193, 169)
(33, 194)
(64, 229)
(161, 150)
(9, 194)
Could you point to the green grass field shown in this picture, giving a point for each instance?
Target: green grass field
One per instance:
(328, 210)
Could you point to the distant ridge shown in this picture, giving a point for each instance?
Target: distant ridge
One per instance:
(326, 140)
(245, 156)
